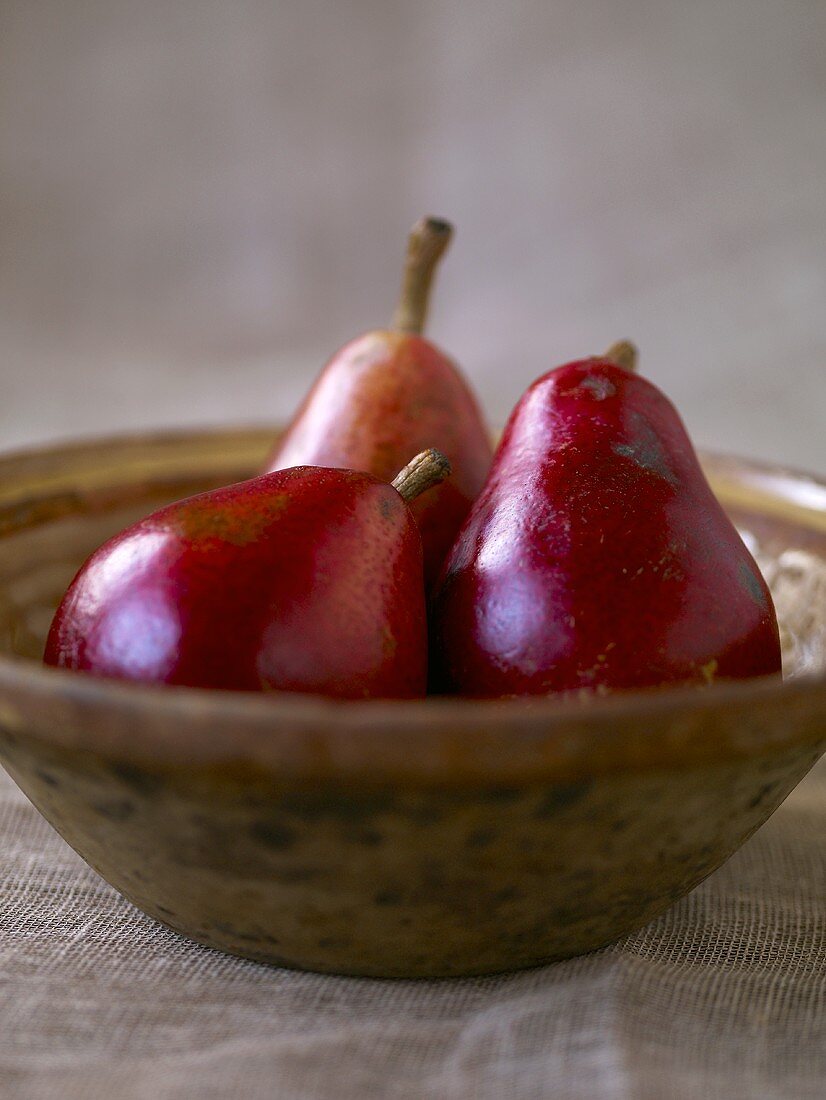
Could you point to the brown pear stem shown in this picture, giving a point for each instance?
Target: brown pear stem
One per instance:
(422, 472)
(428, 239)
(624, 354)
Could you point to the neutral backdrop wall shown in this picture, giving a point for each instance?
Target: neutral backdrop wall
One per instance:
(200, 200)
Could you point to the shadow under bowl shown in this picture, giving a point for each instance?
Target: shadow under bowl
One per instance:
(440, 837)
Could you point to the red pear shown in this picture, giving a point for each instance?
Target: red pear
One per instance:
(597, 557)
(390, 393)
(305, 580)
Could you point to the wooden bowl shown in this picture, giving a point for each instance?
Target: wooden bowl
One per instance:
(441, 837)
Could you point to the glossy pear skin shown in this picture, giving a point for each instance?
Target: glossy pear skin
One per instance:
(382, 397)
(596, 556)
(307, 580)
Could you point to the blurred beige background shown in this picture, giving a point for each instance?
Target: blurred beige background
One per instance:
(200, 200)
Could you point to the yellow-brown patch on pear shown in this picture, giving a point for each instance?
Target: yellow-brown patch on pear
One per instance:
(200, 520)
(388, 642)
(709, 670)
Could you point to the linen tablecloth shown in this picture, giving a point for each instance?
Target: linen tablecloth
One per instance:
(722, 996)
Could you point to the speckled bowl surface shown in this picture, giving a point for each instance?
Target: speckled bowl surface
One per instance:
(442, 837)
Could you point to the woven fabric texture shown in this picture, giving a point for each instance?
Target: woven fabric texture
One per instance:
(723, 996)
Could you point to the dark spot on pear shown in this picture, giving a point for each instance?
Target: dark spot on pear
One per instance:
(751, 584)
(644, 449)
(47, 777)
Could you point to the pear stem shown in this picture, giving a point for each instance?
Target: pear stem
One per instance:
(421, 473)
(428, 239)
(624, 354)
